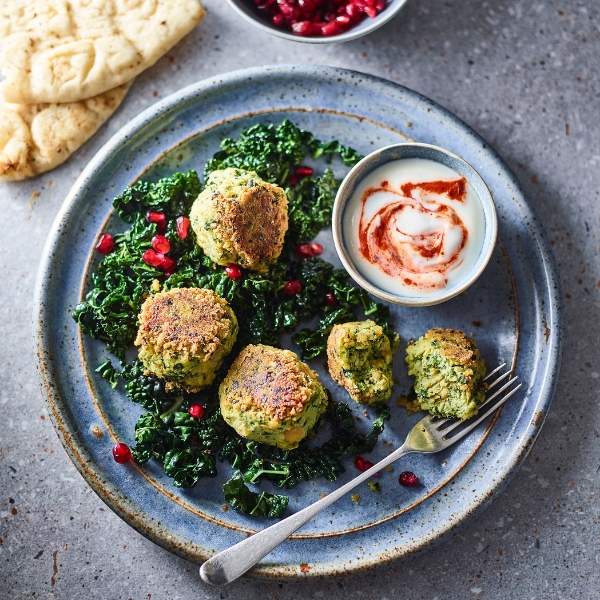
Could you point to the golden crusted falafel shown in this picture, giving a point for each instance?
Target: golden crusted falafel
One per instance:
(240, 219)
(272, 397)
(185, 334)
(449, 372)
(360, 359)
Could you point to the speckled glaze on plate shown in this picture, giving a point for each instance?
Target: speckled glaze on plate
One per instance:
(513, 310)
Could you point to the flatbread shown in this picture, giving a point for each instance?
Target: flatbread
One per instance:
(35, 138)
(70, 50)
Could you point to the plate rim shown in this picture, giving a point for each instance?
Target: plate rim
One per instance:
(57, 409)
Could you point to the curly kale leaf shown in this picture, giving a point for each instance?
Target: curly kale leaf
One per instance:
(241, 498)
(186, 466)
(108, 372)
(172, 195)
(319, 277)
(341, 445)
(340, 416)
(153, 438)
(186, 446)
(147, 390)
(309, 463)
(311, 206)
(261, 468)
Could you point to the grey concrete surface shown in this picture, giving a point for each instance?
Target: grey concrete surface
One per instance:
(525, 76)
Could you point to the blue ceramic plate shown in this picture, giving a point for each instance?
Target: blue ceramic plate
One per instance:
(513, 310)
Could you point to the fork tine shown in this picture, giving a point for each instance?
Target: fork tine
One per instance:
(495, 382)
(458, 422)
(494, 371)
(498, 404)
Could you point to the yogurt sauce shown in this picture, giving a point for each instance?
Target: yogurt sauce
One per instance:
(414, 227)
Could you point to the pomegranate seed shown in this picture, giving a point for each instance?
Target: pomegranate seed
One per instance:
(183, 224)
(307, 6)
(153, 216)
(330, 29)
(303, 28)
(317, 17)
(354, 12)
(292, 287)
(408, 479)
(302, 171)
(233, 272)
(153, 258)
(316, 249)
(304, 250)
(121, 453)
(161, 244)
(196, 411)
(359, 463)
(330, 299)
(368, 465)
(168, 265)
(105, 244)
(293, 179)
(370, 10)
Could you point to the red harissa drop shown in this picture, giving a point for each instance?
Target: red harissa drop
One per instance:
(121, 453)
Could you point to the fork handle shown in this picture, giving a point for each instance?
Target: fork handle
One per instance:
(230, 564)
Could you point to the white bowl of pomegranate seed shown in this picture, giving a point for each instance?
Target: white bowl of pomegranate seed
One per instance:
(318, 21)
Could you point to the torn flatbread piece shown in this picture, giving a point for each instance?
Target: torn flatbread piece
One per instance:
(35, 138)
(70, 50)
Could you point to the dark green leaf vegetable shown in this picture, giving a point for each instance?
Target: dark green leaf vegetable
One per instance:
(237, 493)
(186, 446)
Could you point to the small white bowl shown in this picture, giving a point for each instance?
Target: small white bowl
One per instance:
(426, 151)
(246, 9)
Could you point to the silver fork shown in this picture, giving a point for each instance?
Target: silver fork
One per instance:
(429, 435)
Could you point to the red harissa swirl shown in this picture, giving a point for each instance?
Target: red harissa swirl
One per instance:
(420, 260)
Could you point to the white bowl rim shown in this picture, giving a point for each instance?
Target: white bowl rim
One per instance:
(487, 249)
(356, 32)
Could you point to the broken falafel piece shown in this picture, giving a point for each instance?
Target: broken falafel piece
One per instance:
(448, 372)
(359, 357)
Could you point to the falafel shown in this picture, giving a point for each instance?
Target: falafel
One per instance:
(240, 219)
(184, 336)
(449, 372)
(359, 357)
(270, 396)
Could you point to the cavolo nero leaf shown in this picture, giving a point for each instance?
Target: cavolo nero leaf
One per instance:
(263, 504)
(172, 195)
